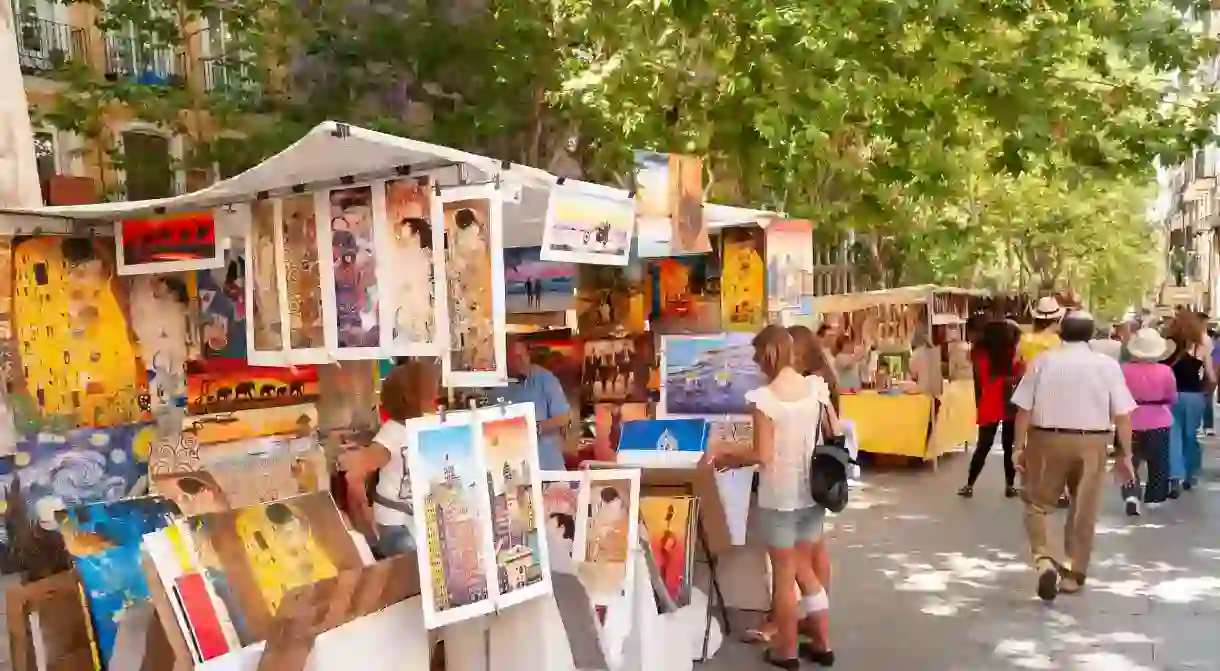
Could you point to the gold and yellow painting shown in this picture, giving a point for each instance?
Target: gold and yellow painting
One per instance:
(228, 426)
(743, 290)
(304, 283)
(75, 346)
(473, 280)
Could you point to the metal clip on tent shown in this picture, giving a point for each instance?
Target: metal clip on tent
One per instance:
(440, 412)
(560, 180)
(503, 405)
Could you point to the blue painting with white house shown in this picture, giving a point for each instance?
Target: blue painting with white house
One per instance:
(664, 435)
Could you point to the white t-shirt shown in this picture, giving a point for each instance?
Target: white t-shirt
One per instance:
(394, 479)
(784, 484)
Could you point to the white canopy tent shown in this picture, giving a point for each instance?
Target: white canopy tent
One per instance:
(334, 153)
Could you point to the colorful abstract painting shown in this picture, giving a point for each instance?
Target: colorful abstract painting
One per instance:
(670, 522)
(609, 533)
(707, 375)
(265, 326)
(683, 295)
(533, 285)
(588, 223)
(173, 242)
(610, 301)
(510, 458)
(159, 307)
(352, 274)
(222, 385)
(76, 349)
(474, 287)
(561, 497)
(301, 273)
(743, 290)
(221, 297)
(104, 541)
(789, 264)
(619, 369)
(409, 262)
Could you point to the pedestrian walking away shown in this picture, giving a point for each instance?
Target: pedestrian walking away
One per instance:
(996, 371)
(1192, 368)
(1066, 405)
(1154, 389)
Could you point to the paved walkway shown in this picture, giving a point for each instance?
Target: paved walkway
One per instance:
(924, 580)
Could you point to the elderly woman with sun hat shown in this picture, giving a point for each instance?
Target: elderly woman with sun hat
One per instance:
(1154, 388)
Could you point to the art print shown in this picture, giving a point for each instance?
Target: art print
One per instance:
(707, 375)
(610, 301)
(608, 420)
(662, 442)
(561, 357)
(450, 484)
(264, 324)
(533, 285)
(588, 223)
(191, 587)
(75, 345)
(729, 434)
(653, 225)
(789, 264)
(683, 295)
(221, 296)
(561, 499)
(410, 258)
(193, 493)
(222, 385)
(169, 243)
(474, 287)
(743, 290)
(350, 291)
(295, 420)
(302, 280)
(607, 537)
(254, 471)
(104, 541)
(619, 369)
(509, 442)
(159, 307)
(670, 522)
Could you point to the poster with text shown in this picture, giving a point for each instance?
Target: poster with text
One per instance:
(743, 284)
(410, 260)
(473, 284)
(168, 243)
(350, 291)
(302, 280)
(588, 223)
(534, 285)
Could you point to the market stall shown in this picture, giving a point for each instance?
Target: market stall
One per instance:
(913, 400)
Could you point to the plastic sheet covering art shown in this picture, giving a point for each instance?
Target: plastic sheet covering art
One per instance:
(264, 322)
(75, 346)
(410, 258)
(104, 541)
(474, 286)
(743, 292)
(350, 293)
(159, 306)
(303, 284)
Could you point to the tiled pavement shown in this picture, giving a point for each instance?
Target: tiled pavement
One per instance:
(924, 580)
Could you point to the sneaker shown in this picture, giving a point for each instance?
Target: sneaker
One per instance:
(1048, 583)
(966, 492)
(1133, 507)
(1070, 585)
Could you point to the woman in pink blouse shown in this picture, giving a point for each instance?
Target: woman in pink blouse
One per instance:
(1154, 389)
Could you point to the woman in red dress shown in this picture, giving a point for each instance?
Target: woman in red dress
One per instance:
(996, 372)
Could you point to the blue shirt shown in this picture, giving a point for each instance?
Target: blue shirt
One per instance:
(542, 388)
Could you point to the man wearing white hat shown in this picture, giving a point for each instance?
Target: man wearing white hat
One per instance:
(1047, 313)
(1154, 388)
(1066, 405)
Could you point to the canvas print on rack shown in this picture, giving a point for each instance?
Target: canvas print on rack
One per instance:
(355, 318)
(221, 297)
(265, 322)
(561, 499)
(474, 285)
(409, 261)
(708, 375)
(669, 521)
(532, 285)
(743, 293)
(510, 455)
(223, 385)
(588, 223)
(181, 241)
(609, 534)
(301, 272)
(449, 484)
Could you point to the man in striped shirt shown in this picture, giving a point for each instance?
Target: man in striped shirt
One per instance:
(1066, 404)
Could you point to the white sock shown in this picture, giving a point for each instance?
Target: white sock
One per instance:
(815, 603)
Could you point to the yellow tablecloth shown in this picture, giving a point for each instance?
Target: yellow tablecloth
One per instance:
(955, 423)
(889, 424)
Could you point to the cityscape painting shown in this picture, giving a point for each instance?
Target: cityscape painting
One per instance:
(450, 487)
(510, 453)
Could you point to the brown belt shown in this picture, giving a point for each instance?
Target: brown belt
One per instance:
(1076, 432)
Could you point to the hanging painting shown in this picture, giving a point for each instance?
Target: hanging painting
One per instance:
(608, 421)
(173, 242)
(410, 259)
(223, 385)
(159, 308)
(221, 297)
(610, 301)
(302, 294)
(104, 540)
(509, 442)
(652, 215)
(683, 295)
(264, 322)
(707, 375)
(670, 523)
(588, 223)
(297, 420)
(743, 291)
(75, 345)
(669, 205)
(532, 285)
(609, 533)
(349, 278)
(561, 357)
(789, 264)
(619, 369)
(561, 499)
(474, 286)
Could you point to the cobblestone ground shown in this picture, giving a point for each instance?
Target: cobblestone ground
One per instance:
(924, 580)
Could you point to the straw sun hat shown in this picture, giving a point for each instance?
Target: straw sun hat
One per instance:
(1148, 345)
(1048, 308)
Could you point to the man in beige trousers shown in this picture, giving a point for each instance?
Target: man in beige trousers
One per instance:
(1066, 405)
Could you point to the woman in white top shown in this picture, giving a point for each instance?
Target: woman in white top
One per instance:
(409, 391)
(786, 426)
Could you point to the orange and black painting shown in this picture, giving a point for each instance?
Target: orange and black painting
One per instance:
(225, 385)
(184, 237)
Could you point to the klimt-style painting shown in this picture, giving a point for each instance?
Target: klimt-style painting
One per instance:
(302, 276)
(561, 499)
(221, 297)
(609, 534)
(410, 257)
(353, 292)
(743, 292)
(265, 326)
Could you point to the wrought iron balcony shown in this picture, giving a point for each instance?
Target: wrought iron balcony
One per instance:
(128, 56)
(44, 45)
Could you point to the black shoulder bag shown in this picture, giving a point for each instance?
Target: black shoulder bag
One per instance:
(828, 467)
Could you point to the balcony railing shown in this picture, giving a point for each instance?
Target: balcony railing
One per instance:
(44, 45)
(224, 75)
(146, 63)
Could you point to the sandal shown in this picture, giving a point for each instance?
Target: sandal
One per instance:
(789, 663)
(759, 635)
(966, 492)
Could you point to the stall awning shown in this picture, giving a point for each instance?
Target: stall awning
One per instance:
(333, 151)
(899, 296)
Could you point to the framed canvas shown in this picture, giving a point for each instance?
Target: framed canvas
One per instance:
(411, 262)
(610, 301)
(168, 243)
(534, 285)
(265, 327)
(588, 223)
(297, 247)
(683, 294)
(350, 289)
(707, 375)
(473, 284)
(611, 505)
